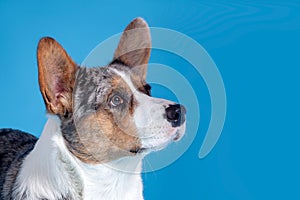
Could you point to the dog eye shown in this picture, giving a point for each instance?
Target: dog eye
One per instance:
(116, 100)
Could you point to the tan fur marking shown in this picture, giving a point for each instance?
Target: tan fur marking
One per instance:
(104, 139)
(106, 136)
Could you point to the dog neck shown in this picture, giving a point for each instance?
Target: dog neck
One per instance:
(50, 171)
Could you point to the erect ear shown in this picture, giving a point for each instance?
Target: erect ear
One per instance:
(56, 76)
(134, 47)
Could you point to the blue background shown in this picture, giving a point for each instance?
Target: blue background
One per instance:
(256, 48)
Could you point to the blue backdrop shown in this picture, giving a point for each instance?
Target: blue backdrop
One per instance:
(256, 48)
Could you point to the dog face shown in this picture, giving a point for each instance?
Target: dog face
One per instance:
(107, 112)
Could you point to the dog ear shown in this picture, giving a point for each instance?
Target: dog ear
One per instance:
(134, 47)
(56, 76)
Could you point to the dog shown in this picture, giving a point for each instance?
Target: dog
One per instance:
(102, 122)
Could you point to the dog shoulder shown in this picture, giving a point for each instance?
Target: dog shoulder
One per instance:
(14, 146)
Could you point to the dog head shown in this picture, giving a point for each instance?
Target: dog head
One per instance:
(107, 112)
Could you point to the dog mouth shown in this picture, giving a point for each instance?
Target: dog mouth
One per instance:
(146, 150)
(174, 136)
(177, 134)
(138, 150)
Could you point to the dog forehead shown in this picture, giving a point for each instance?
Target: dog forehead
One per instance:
(126, 78)
(129, 75)
(87, 81)
(109, 76)
(94, 85)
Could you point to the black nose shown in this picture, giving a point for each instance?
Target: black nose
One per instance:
(175, 114)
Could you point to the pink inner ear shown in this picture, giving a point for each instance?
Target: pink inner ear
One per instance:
(58, 88)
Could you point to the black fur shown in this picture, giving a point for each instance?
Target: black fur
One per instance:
(14, 146)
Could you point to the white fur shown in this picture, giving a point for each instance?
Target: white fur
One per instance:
(115, 180)
(40, 175)
(43, 173)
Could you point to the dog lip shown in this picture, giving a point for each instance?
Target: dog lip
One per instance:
(176, 136)
(137, 150)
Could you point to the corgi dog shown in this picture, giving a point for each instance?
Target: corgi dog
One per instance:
(102, 123)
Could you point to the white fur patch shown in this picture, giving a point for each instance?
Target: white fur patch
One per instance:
(115, 180)
(40, 175)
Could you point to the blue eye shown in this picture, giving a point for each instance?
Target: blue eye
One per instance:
(116, 100)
